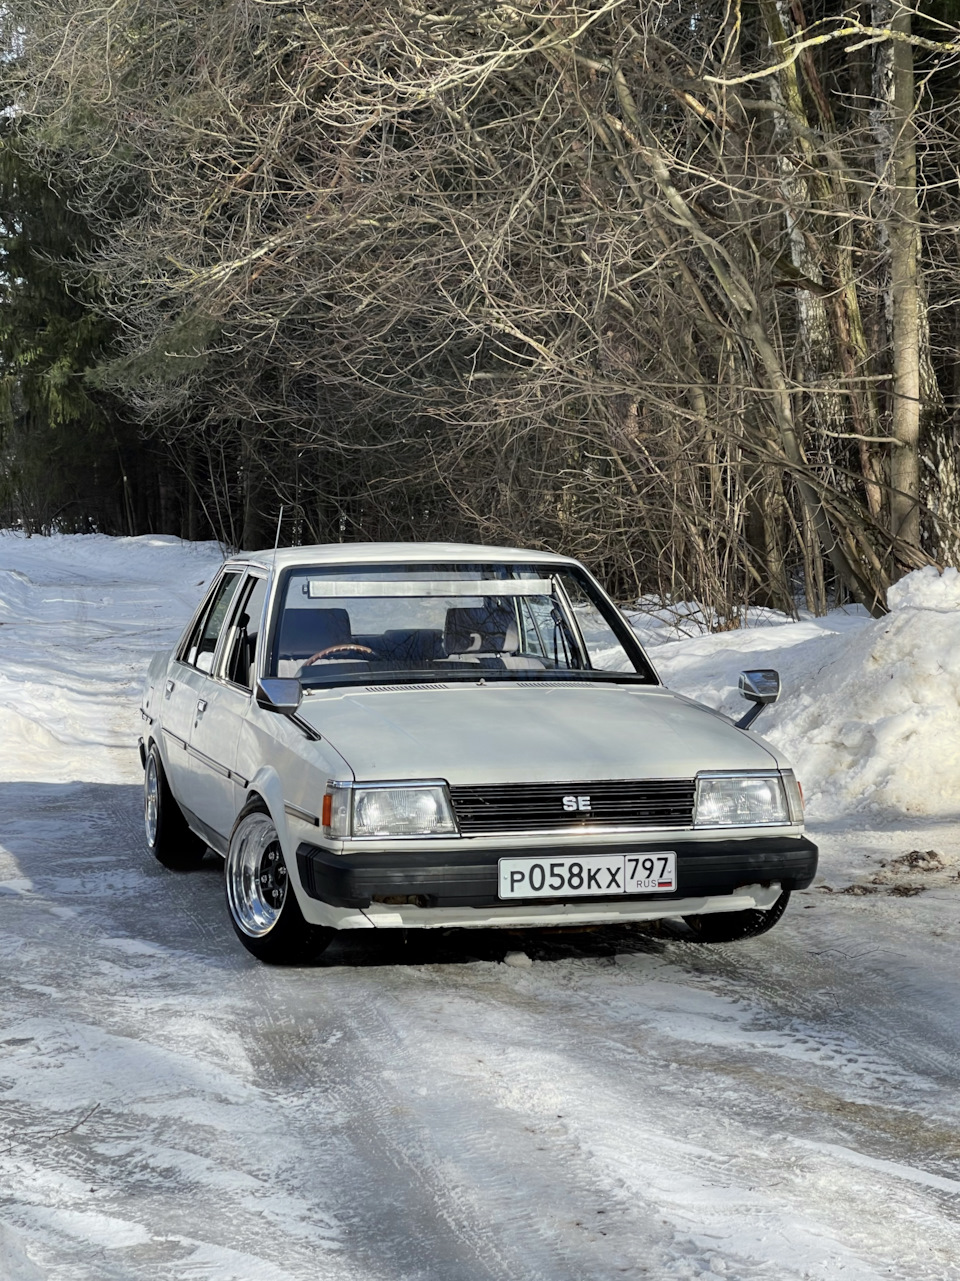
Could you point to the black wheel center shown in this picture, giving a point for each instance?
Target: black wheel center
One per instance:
(272, 876)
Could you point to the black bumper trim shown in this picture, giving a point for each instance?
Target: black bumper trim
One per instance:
(469, 879)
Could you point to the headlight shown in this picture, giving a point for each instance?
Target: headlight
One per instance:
(741, 800)
(391, 810)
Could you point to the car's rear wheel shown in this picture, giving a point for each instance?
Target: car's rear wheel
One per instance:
(169, 838)
(263, 908)
(731, 927)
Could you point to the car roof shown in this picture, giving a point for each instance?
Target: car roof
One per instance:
(371, 553)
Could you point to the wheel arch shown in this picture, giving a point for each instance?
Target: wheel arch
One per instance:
(266, 789)
(154, 739)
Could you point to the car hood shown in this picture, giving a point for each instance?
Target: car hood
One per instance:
(512, 733)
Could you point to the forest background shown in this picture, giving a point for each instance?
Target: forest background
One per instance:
(671, 287)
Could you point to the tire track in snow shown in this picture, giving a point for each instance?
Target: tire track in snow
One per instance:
(588, 1051)
(109, 1012)
(406, 1215)
(485, 1135)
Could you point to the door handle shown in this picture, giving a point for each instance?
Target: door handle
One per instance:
(171, 686)
(201, 706)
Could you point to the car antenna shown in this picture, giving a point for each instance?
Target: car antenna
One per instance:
(276, 541)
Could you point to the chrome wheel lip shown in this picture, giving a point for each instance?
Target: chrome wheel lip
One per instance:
(151, 800)
(256, 873)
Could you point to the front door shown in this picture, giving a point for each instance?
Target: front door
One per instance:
(213, 790)
(188, 681)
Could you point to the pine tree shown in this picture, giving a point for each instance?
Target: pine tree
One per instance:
(65, 449)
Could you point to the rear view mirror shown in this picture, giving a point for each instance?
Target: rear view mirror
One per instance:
(761, 686)
(280, 694)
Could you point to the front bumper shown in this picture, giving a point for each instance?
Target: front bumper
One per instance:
(705, 869)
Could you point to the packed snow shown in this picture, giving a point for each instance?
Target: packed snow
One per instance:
(476, 1106)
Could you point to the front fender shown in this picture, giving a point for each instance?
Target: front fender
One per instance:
(266, 784)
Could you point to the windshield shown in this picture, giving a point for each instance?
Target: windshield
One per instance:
(376, 624)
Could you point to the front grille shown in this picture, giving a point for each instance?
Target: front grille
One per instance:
(539, 807)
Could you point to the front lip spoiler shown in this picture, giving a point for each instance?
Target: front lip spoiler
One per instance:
(469, 878)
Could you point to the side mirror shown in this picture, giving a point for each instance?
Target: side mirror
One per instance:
(762, 686)
(759, 687)
(280, 694)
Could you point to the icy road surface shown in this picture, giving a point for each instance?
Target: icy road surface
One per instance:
(626, 1105)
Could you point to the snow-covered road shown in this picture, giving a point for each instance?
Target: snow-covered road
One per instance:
(629, 1105)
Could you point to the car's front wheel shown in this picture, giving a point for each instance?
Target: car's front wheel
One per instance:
(731, 927)
(263, 908)
(169, 838)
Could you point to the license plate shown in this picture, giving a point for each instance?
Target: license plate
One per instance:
(653, 873)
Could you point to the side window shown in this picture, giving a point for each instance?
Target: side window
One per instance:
(188, 648)
(604, 649)
(241, 657)
(198, 651)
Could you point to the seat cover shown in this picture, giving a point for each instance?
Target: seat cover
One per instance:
(479, 630)
(304, 632)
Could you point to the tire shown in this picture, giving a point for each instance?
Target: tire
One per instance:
(169, 838)
(731, 927)
(263, 908)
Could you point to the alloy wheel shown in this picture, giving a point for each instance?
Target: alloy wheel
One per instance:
(256, 876)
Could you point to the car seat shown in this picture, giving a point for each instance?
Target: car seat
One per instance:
(473, 634)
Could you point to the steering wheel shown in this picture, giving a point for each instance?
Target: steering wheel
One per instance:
(337, 649)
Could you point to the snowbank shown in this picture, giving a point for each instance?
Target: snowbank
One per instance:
(79, 617)
(870, 713)
(927, 588)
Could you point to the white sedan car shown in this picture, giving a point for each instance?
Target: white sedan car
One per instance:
(433, 735)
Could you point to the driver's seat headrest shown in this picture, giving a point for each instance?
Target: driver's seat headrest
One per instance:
(485, 629)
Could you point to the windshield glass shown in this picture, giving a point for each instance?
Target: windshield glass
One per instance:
(376, 624)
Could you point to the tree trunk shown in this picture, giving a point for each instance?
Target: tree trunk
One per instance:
(904, 235)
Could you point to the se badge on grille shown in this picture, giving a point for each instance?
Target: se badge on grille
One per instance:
(572, 803)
